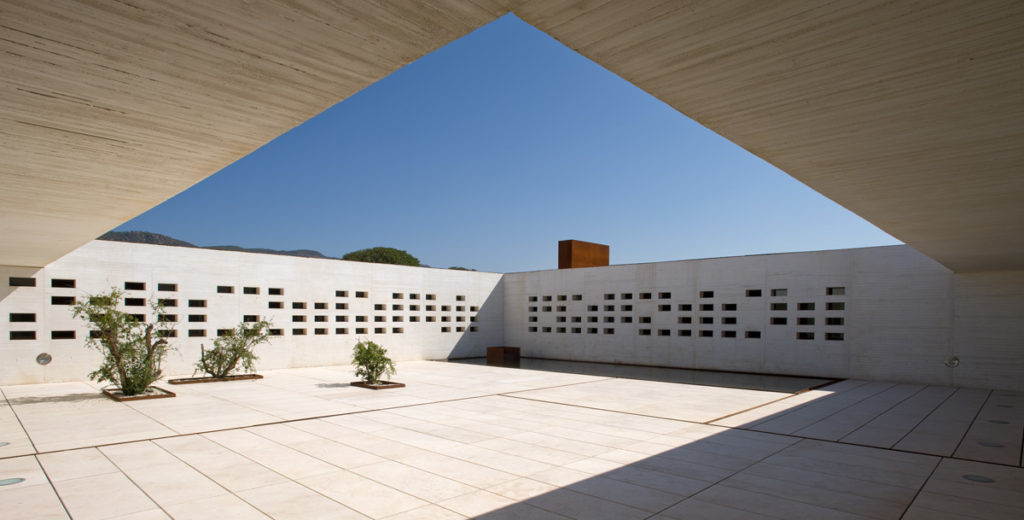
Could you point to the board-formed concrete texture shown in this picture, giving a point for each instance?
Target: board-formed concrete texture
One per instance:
(907, 113)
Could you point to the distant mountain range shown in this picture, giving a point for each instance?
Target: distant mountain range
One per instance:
(145, 237)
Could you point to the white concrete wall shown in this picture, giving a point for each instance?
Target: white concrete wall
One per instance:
(904, 316)
(100, 265)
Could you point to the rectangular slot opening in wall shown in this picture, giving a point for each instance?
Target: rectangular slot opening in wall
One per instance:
(414, 319)
(275, 305)
(664, 332)
(575, 319)
(341, 318)
(707, 320)
(645, 296)
(197, 333)
(431, 296)
(341, 294)
(546, 308)
(707, 307)
(360, 330)
(835, 291)
(728, 306)
(607, 296)
(250, 318)
(834, 321)
(341, 306)
(414, 296)
(62, 283)
(779, 321)
(298, 305)
(531, 309)
(197, 318)
(645, 332)
(320, 318)
(532, 298)
(779, 306)
(276, 332)
(298, 318)
(561, 308)
(62, 300)
(685, 319)
(577, 330)
(396, 318)
(753, 293)
(664, 296)
(547, 298)
(626, 308)
(609, 331)
(626, 319)
(645, 319)
(378, 319)
(664, 308)
(397, 296)
(134, 302)
(460, 297)
(707, 294)
(805, 321)
(728, 333)
(591, 330)
(167, 287)
(560, 330)
(753, 334)
(414, 307)
(341, 331)
(532, 319)
(562, 297)
(250, 290)
(805, 306)
(780, 292)
(730, 320)
(684, 332)
(135, 286)
(295, 332)
(62, 334)
(577, 297)
(835, 306)
(397, 330)
(429, 318)
(197, 303)
(804, 335)
(685, 307)
(560, 319)
(378, 306)
(21, 281)
(707, 333)
(591, 319)
(320, 332)
(168, 302)
(363, 294)
(626, 296)
(167, 318)
(532, 329)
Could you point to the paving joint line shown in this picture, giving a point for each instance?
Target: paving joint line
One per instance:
(20, 424)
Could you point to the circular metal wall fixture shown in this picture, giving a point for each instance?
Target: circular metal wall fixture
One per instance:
(44, 359)
(952, 362)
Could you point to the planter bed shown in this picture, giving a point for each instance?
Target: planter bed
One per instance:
(191, 380)
(152, 392)
(383, 385)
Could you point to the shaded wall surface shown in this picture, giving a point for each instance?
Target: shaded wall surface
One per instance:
(886, 313)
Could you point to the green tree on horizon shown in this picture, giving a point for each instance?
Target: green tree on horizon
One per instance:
(382, 255)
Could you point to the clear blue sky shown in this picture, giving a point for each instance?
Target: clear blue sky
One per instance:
(487, 152)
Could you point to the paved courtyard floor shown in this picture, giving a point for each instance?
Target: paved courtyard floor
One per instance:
(471, 441)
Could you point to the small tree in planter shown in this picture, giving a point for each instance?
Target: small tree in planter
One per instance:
(372, 362)
(234, 350)
(132, 350)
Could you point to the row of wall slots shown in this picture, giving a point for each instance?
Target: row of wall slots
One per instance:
(751, 293)
(831, 321)
(19, 335)
(688, 307)
(170, 302)
(67, 283)
(749, 334)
